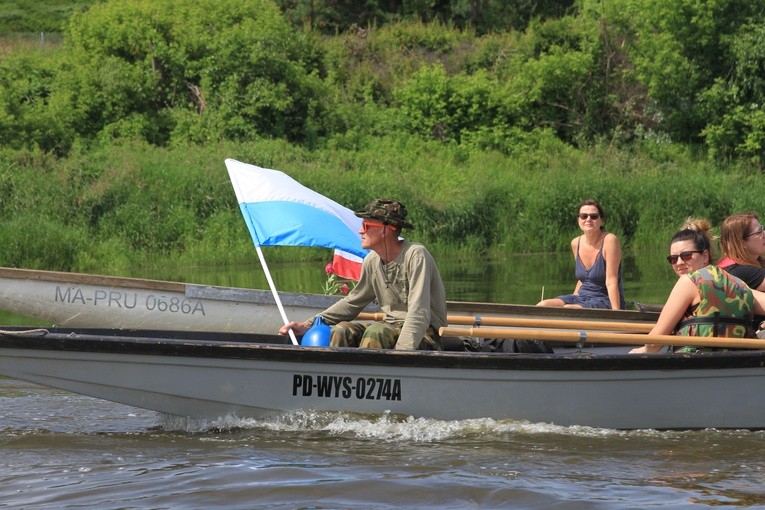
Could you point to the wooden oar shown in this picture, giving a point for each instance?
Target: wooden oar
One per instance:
(464, 320)
(608, 338)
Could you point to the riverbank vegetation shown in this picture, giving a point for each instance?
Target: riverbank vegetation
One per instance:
(113, 141)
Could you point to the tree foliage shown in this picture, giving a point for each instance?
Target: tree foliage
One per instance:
(334, 16)
(699, 63)
(164, 71)
(477, 73)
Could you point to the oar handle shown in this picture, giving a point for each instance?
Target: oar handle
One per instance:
(368, 316)
(635, 327)
(519, 322)
(599, 337)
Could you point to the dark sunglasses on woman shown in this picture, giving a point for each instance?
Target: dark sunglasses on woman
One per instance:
(685, 255)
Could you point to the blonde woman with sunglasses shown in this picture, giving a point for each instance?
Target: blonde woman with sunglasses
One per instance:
(706, 300)
(598, 264)
(742, 241)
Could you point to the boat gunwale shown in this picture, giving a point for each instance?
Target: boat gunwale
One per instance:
(257, 347)
(91, 279)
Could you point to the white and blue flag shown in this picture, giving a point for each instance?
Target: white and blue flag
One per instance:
(279, 211)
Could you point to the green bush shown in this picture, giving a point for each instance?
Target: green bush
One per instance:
(28, 116)
(187, 70)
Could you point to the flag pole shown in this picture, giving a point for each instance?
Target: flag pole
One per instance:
(273, 291)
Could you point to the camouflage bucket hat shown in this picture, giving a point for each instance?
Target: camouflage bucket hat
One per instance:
(390, 212)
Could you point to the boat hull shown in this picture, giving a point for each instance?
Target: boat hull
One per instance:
(82, 300)
(211, 376)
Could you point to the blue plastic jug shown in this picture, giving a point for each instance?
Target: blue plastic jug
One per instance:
(318, 335)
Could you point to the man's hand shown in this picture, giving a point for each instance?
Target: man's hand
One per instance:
(298, 327)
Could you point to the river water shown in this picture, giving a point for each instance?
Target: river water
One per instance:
(61, 450)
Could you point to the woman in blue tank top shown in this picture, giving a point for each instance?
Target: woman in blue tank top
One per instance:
(598, 264)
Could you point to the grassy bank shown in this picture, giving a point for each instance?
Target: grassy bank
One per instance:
(132, 204)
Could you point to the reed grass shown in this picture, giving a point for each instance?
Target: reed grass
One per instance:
(132, 204)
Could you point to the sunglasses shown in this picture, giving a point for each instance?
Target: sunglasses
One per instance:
(366, 225)
(686, 256)
(592, 215)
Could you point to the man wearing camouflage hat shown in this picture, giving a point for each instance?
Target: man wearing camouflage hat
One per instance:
(404, 279)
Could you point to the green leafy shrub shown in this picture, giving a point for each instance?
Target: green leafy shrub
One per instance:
(28, 113)
(188, 70)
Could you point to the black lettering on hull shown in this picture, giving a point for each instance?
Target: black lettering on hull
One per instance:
(344, 387)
